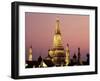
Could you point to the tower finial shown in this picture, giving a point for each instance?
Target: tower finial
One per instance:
(57, 27)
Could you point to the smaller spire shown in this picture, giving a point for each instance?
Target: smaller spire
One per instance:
(30, 54)
(67, 60)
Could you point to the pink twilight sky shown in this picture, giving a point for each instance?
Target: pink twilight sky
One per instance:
(40, 27)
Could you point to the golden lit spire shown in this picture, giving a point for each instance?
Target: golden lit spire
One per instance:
(57, 31)
(57, 41)
(67, 60)
(30, 54)
(57, 53)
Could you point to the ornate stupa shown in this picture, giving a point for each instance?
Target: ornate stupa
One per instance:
(57, 51)
(67, 60)
(30, 54)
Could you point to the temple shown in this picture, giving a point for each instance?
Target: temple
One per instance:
(57, 55)
(57, 52)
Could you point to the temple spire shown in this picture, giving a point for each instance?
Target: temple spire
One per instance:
(67, 60)
(57, 52)
(57, 41)
(57, 31)
(30, 54)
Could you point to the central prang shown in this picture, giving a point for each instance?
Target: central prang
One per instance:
(57, 53)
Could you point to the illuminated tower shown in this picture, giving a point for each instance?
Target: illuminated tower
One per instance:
(67, 60)
(57, 41)
(57, 52)
(30, 54)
